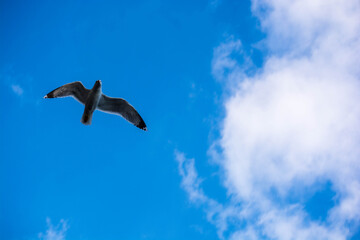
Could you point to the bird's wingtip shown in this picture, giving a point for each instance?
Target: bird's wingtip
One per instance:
(142, 126)
(46, 96)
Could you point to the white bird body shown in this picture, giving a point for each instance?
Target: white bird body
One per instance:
(91, 103)
(94, 99)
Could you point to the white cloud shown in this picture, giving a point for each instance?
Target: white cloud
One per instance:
(295, 125)
(57, 232)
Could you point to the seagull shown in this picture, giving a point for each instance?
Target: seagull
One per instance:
(94, 99)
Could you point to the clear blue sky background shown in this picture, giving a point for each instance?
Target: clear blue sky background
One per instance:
(110, 180)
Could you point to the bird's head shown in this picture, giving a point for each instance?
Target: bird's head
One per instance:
(97, 84)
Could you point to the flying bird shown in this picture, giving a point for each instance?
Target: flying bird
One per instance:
(94, 99)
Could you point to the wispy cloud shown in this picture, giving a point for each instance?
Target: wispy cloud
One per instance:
(17, 89)
(214, 3)
(190, 181)
(57, 232)
(216, 213)
(292, 127)
(22, 85)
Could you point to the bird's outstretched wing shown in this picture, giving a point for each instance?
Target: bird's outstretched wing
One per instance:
(74, 89)
(123, 108)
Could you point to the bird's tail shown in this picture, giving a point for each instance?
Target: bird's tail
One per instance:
(86, 118)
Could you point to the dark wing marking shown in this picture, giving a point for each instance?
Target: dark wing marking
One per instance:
(74, 89)
(123, 108)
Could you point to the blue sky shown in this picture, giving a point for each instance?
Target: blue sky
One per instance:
(241, 142)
